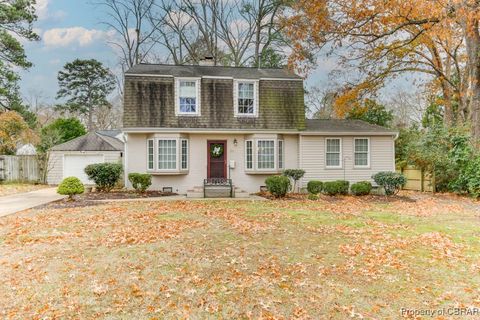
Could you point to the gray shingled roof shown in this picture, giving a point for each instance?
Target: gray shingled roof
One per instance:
(212, 71)
(111, 133)
(344, 126)
(92, 141)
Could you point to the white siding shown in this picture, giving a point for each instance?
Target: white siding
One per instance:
(312, 158)
(136, 158)
(55, 173)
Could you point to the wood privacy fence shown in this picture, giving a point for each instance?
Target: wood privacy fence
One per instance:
(20, 168)
(417, 179)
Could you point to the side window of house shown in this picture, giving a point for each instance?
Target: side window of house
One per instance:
(245, 98)
(333, 157)
(188, 101)
(362, 150)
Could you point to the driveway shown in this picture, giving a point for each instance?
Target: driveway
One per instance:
(23, 201)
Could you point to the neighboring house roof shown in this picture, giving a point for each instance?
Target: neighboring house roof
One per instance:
(211, 71)
(111, 133)
(344, 126)
(93, 141)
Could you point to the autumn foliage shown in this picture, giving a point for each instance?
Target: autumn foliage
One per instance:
(14, 132)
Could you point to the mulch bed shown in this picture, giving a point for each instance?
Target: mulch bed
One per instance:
(114, 195)
(89, 199)
(371, 197)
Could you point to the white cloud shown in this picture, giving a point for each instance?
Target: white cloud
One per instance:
(42, 9)
(63, 37)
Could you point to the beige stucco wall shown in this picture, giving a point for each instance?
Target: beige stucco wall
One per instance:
(312, 158)
(136, 160)
(55, 166)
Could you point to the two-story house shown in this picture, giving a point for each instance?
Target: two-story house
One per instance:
(191, 126)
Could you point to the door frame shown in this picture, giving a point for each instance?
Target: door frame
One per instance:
(209, 156)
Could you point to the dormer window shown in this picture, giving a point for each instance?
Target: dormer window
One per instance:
(246, 98)
(187, 100)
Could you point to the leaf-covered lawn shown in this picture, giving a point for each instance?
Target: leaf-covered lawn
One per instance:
(335, 258)
(7, 189)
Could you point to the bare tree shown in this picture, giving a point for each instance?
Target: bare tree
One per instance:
(129, 19)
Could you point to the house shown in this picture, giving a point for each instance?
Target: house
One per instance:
(193, 127)
(70, 158)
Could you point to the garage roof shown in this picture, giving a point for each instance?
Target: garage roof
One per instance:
(93, 141)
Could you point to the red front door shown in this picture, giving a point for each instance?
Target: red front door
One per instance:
(217, 159)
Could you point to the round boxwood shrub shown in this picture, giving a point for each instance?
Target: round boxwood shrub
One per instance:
(70, 186)
(314, 186)
(392, 182)
(361, 188)
(105, 175)
(333, 188)
(278, 186)
(140, 181)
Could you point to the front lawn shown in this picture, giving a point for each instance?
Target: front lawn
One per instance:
(335, 258)
(7, 189)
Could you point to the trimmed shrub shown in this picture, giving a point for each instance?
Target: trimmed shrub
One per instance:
(278, 186)
(361, 188)
(314, 186)
(70, 186)
(392, 182)
(295, 175)
(105, 175)
(312, 197)
(333, 188)
(140, 181)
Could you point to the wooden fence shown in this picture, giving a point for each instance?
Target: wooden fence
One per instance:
(20, 168)
(417, 179)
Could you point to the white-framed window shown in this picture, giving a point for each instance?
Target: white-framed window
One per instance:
(281, 155)
(184, 154)
(265, 154)
(167, 154)
(245, 98)
(333, 152)
(150, 154)
(187, 96)
(362, 152)
(249, 154)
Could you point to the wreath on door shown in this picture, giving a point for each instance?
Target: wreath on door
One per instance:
(216, 150)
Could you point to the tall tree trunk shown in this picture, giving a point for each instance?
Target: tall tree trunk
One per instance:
(90, 118)
(472, 40)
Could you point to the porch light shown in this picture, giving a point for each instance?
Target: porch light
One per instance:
(235, 142)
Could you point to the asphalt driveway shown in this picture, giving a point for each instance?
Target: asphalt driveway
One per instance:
(23, 201)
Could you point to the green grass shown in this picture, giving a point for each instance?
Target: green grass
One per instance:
(238, 260)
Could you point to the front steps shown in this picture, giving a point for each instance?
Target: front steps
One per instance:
(216, 192)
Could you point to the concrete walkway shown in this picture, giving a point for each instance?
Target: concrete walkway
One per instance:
(23, 201)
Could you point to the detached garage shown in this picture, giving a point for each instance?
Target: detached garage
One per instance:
(69, 159)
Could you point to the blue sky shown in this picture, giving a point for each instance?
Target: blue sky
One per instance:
(72, 29)
(68, 29)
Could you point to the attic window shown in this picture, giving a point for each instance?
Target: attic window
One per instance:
(246, 98)
(187, 100)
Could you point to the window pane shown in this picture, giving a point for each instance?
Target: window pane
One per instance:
(188, 96)
(333, 159)
(249, 151)
(150, 154)
(361, 159)
(167, 154)
(333, 153)
(361, 152)
(246, 94)
(266, 154)
(184, 154)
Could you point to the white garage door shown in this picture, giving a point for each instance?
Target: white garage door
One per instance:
(74, 166)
